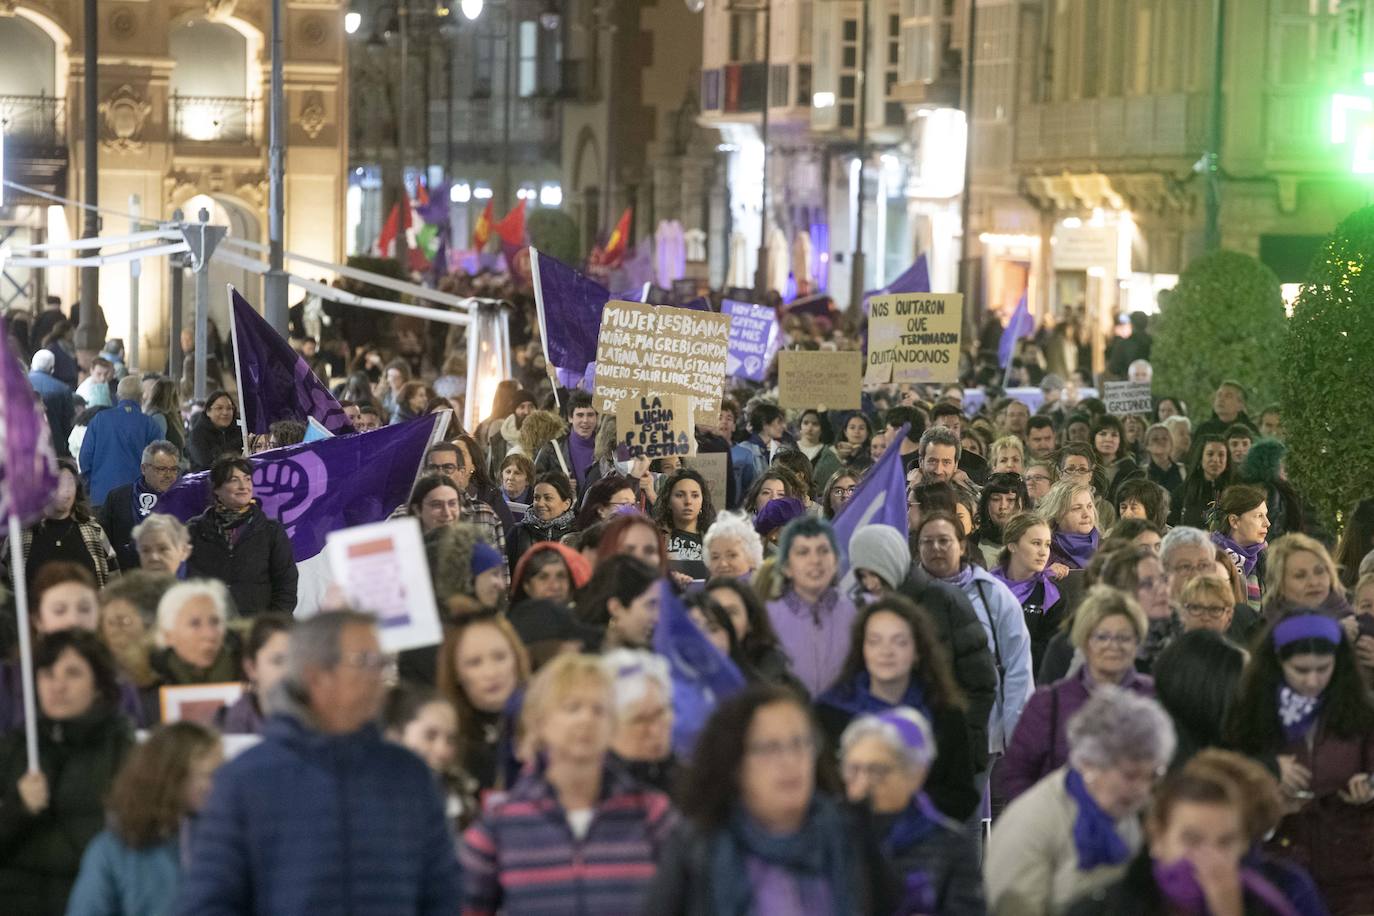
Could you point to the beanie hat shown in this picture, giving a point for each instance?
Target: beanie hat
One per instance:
(883, 551)
(484, 557)
(524, 397)
(776, 513)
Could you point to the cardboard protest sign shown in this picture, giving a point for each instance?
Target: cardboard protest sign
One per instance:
(198, 703)
(914, 337)
(1124, 398)
(820, 378)
(753, 331)
(382, 567)
(712, 466)
(654, 427)
(661, 350)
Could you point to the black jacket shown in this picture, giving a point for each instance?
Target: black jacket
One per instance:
(958, 629)
(528, 533)
(117, 516)
(207, 442)
(260, 569)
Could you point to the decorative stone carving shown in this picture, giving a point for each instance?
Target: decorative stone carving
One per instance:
(124, 115)
(219, 10)
(312, 118)
(313, 31)
(180, 185)
(123, 23)
(251, 187)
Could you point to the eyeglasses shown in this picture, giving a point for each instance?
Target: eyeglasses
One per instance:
(800, 746)
(1037, 478)
(366, 661)
(160, 469)
(1210, 611)
(875, 772)
(846, 492)
(940, 543)
(1191, 569)
(448, 470)
(1103, 640)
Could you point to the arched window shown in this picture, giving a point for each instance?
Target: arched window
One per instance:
(211, 59)
(28, 59)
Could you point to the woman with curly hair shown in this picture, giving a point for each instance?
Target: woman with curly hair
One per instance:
(683, 515)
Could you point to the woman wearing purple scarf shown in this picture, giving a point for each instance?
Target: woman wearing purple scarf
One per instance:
(1071, 513)
(1023, 567)
(1303, 710)
(1240, 523)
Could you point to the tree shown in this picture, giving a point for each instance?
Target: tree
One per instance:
(1327, 370)
(1224, 320)
(554, 233)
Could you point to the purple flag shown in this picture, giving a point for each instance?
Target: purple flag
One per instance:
(753, 335)
(915, 279)
(879, 500)
(1020, 325)
(569, 308)
(702, 676)
(275, 382)
(317, 487)
(28, 464)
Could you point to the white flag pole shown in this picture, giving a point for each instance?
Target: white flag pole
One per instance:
(21, 604)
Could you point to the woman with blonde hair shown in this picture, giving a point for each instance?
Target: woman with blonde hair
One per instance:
(1070, 509)
(1300, 574)
(1007, 454)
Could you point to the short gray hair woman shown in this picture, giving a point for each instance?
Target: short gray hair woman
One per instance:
(162, 542)
(191, 629)
(642, 736)
(720, 555)
(1076, 830)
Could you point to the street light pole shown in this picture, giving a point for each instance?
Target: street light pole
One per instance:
(275, 308)
(402, 139)
(761, 269)
(856, 267)
(88, 332)
(507, 98)
(1212, 158)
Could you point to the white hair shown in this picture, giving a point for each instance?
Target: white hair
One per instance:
(1183, 536)
(871, 726)
(1116, 727)
(159, 523)
(735, 526)
(631, 671)
(179, 595)
(1178, 419)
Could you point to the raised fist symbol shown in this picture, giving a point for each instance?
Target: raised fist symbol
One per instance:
(288, 487)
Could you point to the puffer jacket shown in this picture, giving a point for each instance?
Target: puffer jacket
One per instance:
(259, 567)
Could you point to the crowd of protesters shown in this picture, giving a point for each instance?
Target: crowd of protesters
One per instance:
(1113, 665)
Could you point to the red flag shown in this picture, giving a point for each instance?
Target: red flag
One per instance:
(387, 239)
(512, 226)
(482, 230)
(618, 243)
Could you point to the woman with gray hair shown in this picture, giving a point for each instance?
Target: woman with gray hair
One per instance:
(193, 647)
(1076, 830)
(642, 733)
(733, 548)
(163, 544)
(885, 759)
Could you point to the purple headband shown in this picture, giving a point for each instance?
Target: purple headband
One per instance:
(908, 731)
(1307, 626)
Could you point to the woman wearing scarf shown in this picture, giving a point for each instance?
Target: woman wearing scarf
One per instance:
(1303, 711)
(235, 542)
(1004, 497)
(810, 614)
(1203, 823)
(193, 645)
(1071, 513)
(1107, 629)
(1240, 525)
(884, 759)
(1023, 567)
(759, 838)
(944, 554)
(549, 517)
(1300, 574)
(1076, 830)
(895, 660)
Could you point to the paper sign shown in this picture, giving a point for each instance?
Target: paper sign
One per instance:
(820, 378)
(381, 569)
(661, 350)
(712, 468)
(753, 331)
(1124, 398)
(654, 427)
(914, 337)
(198, 703)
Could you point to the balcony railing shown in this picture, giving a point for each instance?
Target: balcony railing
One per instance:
(33, 120)
(1142, 127)
(481, 122)
(215, 119)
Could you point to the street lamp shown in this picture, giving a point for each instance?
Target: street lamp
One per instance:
(352, 21)
(471, 8)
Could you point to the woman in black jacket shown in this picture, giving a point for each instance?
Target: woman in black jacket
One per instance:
(235, 542)
(214, 432)
(549, 517)
(48, 817)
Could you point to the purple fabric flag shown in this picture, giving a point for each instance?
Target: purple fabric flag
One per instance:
(915, 279)
(28, 463)
(879, 500)
(569, 308)
(275, 382)
(1020, 325)
(753, 333)
(317, 487)
(702, 676)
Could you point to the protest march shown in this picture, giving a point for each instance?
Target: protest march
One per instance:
(741, 609)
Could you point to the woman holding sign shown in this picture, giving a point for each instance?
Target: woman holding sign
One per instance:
(684, 517)
(853, 445)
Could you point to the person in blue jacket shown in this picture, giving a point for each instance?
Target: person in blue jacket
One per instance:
(113, 448)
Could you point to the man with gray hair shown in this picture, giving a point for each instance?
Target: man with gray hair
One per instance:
(1187, 553)
(115, 440)
(324, 816)
(57, 397)
(129, 504)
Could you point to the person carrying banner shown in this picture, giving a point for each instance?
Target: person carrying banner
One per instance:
(127, 505)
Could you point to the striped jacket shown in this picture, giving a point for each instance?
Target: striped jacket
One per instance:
(521, 858)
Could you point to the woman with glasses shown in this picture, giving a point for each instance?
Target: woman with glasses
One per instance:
(1208, 604)
(1075, 830)
(1039, 477)
(1107, 629)
(758, 836)
(885, 759)
(838, 491)
(642, 737)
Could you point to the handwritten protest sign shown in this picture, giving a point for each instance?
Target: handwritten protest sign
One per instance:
(817, 378)
(712, 468)
(661, 350)
(1124, 398)
(654, 427)
(382, 567)
(914, 337)
(753, 331)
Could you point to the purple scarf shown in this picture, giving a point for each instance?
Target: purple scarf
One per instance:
(1094, 832)
(1077, 548)
(582, 454)
(1244, 557)
(1026, 587)
(1178, 885)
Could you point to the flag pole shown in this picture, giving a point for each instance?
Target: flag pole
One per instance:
(21, 605)
(543, 326)
(238, 373)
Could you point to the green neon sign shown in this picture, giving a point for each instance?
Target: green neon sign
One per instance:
(1352, 127)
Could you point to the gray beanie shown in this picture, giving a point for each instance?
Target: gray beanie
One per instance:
(883, 551)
